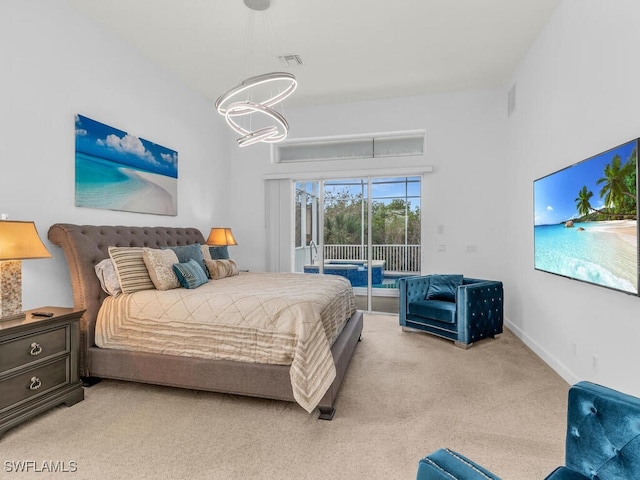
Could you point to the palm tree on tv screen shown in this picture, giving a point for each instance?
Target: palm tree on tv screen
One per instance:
(582, 201)
(615, 187)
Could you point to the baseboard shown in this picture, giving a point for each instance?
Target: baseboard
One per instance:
(559, 367)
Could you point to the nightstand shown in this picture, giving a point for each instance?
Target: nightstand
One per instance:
(38, 364)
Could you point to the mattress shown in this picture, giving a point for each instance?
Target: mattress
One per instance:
(274, 318)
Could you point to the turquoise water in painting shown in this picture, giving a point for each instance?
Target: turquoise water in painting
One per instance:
(104, 184)
(596, 255)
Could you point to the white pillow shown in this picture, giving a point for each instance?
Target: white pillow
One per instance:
(106, 272)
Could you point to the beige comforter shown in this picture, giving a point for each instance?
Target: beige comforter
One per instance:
(276, 318)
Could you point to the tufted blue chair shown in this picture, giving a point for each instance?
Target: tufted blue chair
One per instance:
(603, 441)
(459, 308)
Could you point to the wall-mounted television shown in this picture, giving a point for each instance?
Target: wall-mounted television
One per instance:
(585, 220)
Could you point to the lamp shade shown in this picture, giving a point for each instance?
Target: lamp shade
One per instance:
(20, 241)
(220, 237)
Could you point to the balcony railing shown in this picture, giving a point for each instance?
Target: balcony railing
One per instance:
(398, 258)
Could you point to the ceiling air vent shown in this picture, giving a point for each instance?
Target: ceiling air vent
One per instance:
(291, 60)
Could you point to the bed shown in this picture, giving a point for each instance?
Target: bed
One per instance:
(85, 246)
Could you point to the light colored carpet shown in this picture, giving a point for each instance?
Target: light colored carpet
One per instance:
(405, 395)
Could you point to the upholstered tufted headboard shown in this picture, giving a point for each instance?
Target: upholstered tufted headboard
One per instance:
(86, 245)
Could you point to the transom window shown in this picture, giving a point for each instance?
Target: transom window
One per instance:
(400, 144)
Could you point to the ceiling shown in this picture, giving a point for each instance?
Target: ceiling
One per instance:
(351, 49)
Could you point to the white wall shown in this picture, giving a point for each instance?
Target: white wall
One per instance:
(56, 64)
(464, 143)
(577, 95)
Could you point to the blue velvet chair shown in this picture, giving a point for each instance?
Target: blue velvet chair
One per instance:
(602, 443)
(459, 308)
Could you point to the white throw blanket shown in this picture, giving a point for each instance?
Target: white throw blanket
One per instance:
(275, 318)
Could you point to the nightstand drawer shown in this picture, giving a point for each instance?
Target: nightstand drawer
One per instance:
(31, 383)
(23, 350)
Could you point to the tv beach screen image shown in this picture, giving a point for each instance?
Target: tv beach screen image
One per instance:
(119, 171)
(585, 220)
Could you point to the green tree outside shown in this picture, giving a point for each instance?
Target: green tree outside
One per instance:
(395, 223)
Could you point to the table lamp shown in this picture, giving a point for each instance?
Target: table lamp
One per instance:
(220, 238)
(18, 241)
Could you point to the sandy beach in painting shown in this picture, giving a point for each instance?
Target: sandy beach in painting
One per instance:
(157, 195)
(603, 252)
(625, 229)
(618, 241)
(104, 184)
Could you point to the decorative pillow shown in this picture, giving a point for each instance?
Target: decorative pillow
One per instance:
(108, 277)
(222, 268)
(219, 253)
(443, 287)
(160, 267)
(131, 270)
(190, 252)
(205, 252)
(190, 274)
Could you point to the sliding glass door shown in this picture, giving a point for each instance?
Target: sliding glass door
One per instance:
(364, 229)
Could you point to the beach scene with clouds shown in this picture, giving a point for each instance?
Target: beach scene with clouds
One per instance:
(119, 171)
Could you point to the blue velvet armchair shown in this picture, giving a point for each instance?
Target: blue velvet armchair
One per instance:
(459, 308)
(602, 442)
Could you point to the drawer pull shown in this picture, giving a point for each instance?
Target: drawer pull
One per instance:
(35, 383)
(36, 349)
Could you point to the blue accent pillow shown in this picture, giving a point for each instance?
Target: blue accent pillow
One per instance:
(190, 274)
(190, 252)
(219, 253)
(443, 287)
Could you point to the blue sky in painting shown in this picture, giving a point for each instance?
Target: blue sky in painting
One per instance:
(102, 141)
(555, 195)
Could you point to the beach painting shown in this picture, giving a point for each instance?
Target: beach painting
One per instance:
(586, 223)
(119, 171)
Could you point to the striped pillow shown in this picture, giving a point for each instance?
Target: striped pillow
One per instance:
(190, 274)
(131, 269)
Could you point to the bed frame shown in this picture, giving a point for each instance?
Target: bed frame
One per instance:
(86, 245)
